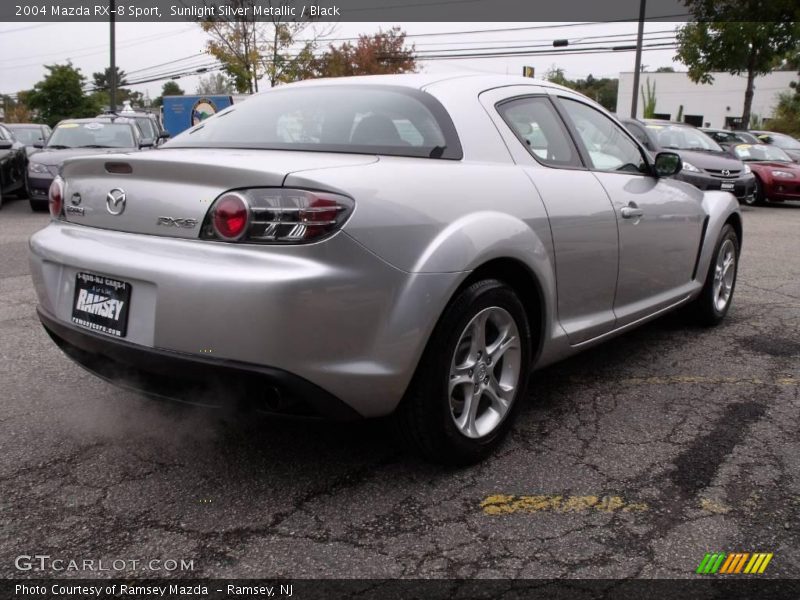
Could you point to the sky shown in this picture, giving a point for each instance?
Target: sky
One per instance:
(26, 47)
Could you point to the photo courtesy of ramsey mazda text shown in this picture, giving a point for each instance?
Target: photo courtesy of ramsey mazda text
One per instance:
(408, 245)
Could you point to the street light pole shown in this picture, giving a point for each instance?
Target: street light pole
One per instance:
(112, 80)
(634, 101)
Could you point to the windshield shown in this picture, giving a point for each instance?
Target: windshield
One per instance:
(92, 135)
(146, 126)
(784, 141)
(681, 137)
(338, 118)
(27, 135)
(760, 152)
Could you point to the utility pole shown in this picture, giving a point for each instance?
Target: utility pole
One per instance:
(112, 80)
(638, 67)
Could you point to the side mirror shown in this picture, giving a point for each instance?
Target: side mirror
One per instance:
(38, 144)
(667, 163)
(164, 135)
(6, 144)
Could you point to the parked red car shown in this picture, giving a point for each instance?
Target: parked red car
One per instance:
(777, 177)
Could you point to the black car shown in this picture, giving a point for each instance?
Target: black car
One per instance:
(13, 162)
(785, 142)
(33, 135)
(76, 137)
(705, 164)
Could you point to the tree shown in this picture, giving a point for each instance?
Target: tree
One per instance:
(377, 54)
(665, 70)
(649, 100)
(102, 79)
(170, 88)
(556, 75)
(16, 111)
(214, 83)
(250, 49)
(723, 38)
(60, 95)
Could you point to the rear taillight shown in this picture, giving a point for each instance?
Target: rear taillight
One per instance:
(276, 216)
(229, 217)
(56, 197)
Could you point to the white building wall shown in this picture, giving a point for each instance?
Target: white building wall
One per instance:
(714, 102)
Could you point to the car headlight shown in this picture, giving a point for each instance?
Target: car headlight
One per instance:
(747, 170)
(39, 168)
(687, 166)
(783, 174)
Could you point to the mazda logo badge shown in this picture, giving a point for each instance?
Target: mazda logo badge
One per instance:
(726, 172)
(115, 201)
(76, 199)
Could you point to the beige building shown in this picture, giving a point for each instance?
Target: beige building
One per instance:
(718, 104)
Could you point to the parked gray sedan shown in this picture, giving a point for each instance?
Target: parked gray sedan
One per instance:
(412, 244)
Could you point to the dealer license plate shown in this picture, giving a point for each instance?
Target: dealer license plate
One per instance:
(726, 187)
(101, 304)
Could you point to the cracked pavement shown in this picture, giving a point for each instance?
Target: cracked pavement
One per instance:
(695, 427)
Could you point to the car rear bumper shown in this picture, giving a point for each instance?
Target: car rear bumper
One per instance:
(195, 380)
(332, 313)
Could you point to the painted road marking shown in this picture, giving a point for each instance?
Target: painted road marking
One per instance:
(699, 379)
(501, 504)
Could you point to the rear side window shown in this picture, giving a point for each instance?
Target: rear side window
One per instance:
(367, 119)
(535, 122)
(608, 146)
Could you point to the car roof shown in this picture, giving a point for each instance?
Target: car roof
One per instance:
(479, 81)
(23, 125)
(94, 120)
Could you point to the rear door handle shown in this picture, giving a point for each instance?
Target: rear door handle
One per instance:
(631, 211)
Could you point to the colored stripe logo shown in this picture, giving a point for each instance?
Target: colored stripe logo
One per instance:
(734, 563)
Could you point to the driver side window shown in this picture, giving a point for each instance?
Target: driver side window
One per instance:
(608, 146)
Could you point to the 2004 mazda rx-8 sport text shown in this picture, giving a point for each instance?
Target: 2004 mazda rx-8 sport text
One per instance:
(409, 244)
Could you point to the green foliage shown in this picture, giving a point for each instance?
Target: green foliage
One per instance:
(214, 83)
(603, 90)
(170, 88)
(60, 95)
(381, 53)
(787, 114)
(722, 38)
(102, 80)
(649, 100)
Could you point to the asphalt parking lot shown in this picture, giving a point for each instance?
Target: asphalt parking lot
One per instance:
(631, 460)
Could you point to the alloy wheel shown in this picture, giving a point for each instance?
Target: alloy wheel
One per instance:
(485, 372)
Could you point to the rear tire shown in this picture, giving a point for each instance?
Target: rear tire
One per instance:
(714, 301)
(471, 379)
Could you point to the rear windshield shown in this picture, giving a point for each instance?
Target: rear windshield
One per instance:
(92, 135)
(27, 135)
(359, 119)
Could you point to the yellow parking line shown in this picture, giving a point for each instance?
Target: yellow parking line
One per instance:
(699, 379)
(501, 504)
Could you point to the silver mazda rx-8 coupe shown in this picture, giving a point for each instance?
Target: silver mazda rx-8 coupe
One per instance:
(414, 245)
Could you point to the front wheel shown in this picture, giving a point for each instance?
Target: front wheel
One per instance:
(471, 378)
(758, 194)
(714, 301)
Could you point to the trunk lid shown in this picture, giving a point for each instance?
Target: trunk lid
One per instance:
(167, 192)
